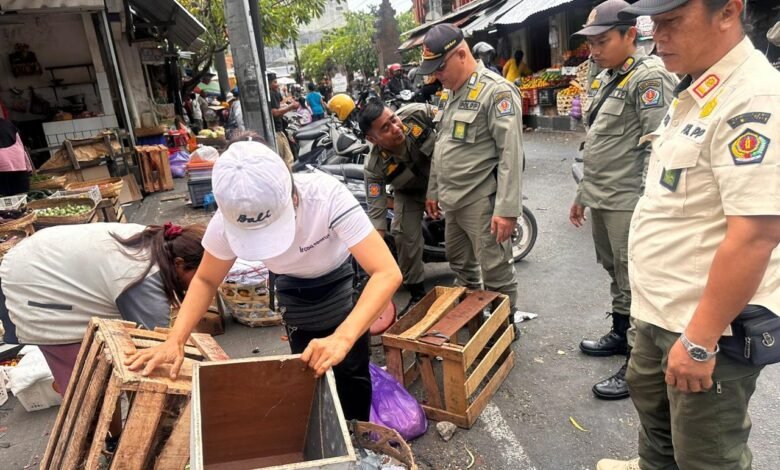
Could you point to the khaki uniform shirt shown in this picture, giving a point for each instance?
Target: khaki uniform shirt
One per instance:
(479, 145)
(716, 154)
(614, 162)
(408, 172)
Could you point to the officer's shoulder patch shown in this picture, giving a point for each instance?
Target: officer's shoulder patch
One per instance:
(374, 189)
(651, 94)
(416, 128)
(761, 118)
(749, 147)
(475, 90)
(503, 103)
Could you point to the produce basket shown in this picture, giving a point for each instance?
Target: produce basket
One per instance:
(45, 220)
(13, 202)
(91, 192)
(109, 187)
(47, 182)
(23, 222)
(249, 304)
(9, 238)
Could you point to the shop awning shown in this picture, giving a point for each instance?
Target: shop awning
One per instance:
(458, 17)
(183, 28)
(27, 5)
(489, 16)
(525, 8)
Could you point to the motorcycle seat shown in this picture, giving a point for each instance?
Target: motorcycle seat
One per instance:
(349, 170)
(310, 134)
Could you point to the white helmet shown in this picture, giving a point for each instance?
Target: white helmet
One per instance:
(484, 51)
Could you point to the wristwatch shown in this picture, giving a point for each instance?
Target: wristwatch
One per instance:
(698, 353)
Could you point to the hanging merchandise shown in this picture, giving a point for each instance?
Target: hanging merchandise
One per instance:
(24, 62)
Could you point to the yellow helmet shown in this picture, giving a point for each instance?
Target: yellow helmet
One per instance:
(341, 105)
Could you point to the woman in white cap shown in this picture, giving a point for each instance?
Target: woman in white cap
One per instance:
(304, 228)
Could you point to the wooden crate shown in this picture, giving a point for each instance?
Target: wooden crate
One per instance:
(155, 168)
(267, 412)
(472, 369)
(110, 210)
(156, 429)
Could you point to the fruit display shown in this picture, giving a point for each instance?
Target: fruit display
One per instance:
(566, 97)
(216, 133)
(14, 214)
(39, 178)
(69, 210)
(544, 79)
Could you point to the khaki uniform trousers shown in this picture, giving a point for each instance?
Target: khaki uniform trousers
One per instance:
(283, 149)
(472, 250)
(406, 229)
(689, 431)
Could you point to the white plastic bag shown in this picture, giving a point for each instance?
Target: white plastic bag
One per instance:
(204, 152)
(30, 369)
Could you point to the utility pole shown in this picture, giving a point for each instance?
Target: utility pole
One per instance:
(249, 70)
(298, 73)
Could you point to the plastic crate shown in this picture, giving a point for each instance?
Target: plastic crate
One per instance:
(92, 192)
(198, 190)
(13, 202)
(39, 396)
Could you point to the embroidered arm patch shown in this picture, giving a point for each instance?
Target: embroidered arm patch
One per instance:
(503, 103)
(651, 94)
(749, 147)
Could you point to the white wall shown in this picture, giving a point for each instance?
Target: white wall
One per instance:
(56, 40)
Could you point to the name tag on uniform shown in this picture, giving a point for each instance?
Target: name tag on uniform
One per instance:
(468, 105)
(459, 130)
(619, 94)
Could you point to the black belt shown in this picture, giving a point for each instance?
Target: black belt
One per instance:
(316, 304)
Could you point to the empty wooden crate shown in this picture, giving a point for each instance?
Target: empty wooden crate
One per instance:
(267, 413)
(475, 352)
(156, 427)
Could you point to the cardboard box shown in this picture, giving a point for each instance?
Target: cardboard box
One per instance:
(267, 413)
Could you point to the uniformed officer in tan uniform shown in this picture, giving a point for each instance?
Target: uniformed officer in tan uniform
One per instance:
(477, 163)
(401, 157)
(703, 255)
(628, 100)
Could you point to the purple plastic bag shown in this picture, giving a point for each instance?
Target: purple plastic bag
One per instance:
(178, 163)
(393, 407)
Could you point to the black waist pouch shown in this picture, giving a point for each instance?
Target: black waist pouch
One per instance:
(316, 304)
(755, 337)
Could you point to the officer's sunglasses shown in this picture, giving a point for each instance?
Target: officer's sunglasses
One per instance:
(443, 64)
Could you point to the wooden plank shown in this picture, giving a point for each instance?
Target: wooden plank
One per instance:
(440, 307)
(176, 452)
(110, 404)
(454, 391)
(490, 389)
(71, 154)
(487, 363)
(411, 373)
(458, 317)
(140, 428)
(416, 313)
(208, 347)
(395, 364)
(142, 343)
(432, 392)
(87, 409)
(447, 351)
(80, 385)
(165, 168)
(437, 414)
(477, 343)
(54, 435)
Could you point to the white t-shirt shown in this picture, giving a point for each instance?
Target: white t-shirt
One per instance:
(328, 221)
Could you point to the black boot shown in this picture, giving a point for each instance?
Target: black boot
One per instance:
(611, 343)
(615, 387)
(417, 292)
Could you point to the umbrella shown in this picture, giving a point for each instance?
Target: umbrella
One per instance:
(285, 81)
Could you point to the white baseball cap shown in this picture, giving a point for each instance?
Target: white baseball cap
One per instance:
(253, 189)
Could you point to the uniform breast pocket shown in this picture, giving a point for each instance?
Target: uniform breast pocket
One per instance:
(610, 118)
(676, 182)
(464, 126)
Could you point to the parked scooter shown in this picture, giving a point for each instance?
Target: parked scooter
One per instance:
(327, 142)
(352, 176)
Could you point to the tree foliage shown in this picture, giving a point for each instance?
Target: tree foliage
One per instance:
(280, 19)
(351, 46)
(406, 22)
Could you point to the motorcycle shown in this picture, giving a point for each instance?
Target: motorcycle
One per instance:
(523, 237)
(396, 102)
(327, 142)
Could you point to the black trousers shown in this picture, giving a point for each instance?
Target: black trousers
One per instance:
(353, 379)
(14, 182)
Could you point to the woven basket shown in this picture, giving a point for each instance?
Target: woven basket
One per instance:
(55, 182)
(109, 187)
(21, 223)
(66, 220)
(249, 304)
(7, 245)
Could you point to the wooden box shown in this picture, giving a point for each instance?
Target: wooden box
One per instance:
(472, 368)
(155, 429)
(155, 168)
(267, 413)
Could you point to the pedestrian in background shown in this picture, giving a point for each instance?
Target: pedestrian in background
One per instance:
(279, 107)
(316, 102)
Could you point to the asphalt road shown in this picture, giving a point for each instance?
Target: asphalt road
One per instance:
(527, 425)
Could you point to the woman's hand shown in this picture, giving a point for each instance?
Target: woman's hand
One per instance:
(169, 352)
(323, 353)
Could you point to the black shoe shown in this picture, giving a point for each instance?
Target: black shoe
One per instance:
(613, 388)
(608, 345)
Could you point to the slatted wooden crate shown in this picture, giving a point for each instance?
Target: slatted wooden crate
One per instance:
(156, 429)
(472, 369)
(110, 210)
(155, 168)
